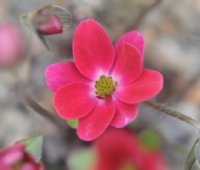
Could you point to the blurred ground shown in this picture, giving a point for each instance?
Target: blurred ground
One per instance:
(172, 34)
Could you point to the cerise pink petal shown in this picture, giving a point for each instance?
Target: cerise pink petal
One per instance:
(61, 73)
(92, 49)
(74, 100)
(12, 155)
(95, 123)
(135, 38)
(128, 66)
(4, 167)
(148, 85)
(27, 166)
(124, 114)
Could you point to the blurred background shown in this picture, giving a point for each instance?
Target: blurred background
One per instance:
(172, 35)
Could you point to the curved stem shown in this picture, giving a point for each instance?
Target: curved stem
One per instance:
(145, 12)
(44, 112)
(174, 113)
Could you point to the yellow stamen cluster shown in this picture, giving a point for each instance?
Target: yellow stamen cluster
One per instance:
(105, 86)
(17, 166)
(127, 166)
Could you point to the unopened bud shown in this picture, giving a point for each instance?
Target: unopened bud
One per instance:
(53, 25)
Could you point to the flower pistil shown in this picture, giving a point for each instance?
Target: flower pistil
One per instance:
(127, 166)
(105, 86)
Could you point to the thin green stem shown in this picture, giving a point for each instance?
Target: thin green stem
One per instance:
(174, 113)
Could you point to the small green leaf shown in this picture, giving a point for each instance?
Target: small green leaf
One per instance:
(73, 123)
(82, 159)
(192, 160)
(150, 139)
(34, 146)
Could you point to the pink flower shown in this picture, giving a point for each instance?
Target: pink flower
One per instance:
(104, 84)
(121, 150)
(16, 158)
(11, 44)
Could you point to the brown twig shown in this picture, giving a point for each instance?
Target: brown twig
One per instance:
(44, 112)
(144, 13)
(174, 113)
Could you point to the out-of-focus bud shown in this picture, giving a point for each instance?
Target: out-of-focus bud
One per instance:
(51, 26)
(46, 22)
(11, 44)
(49, 19)
(17, 158)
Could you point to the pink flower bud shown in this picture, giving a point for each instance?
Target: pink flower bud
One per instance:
(11, 44)
(16, 158)
(52, 25)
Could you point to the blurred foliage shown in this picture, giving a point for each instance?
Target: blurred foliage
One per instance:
(84, 159)
(150, 139)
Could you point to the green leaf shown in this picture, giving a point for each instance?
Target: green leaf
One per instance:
(192, 160)
(150, 139)
(73, 123)
(34, 146)
(82, 159)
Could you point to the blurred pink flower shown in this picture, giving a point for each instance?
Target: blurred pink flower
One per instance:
(11, 44)
(121, 150)
(16, 158)
(103, 85)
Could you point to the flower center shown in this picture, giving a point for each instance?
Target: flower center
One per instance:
(127, 166)
(105, 86)
(17, 165)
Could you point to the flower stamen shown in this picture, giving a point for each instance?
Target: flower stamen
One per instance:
(127, 166)
(105, 86)
(17, 165)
